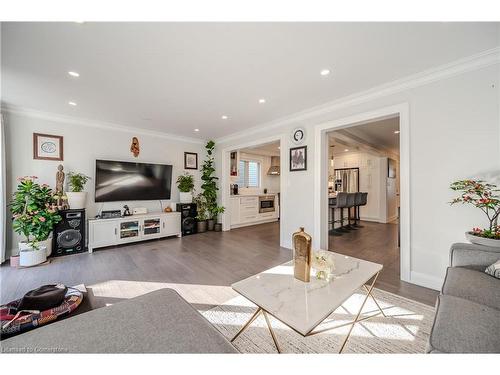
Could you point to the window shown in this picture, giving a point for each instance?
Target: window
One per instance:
(249, 173)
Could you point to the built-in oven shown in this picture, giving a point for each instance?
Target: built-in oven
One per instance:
(266, 203)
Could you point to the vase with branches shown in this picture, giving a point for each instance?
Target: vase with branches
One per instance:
(484, 196)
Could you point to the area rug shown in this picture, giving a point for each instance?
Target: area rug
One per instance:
(405, 329)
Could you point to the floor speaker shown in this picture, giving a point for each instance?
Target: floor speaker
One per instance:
(69, 233)
(188, 217)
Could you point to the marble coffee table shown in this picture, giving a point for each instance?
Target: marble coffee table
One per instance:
(304, 306)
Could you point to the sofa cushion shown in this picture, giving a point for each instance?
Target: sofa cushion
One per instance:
(157, 322)
(473, 285)
(462, 326)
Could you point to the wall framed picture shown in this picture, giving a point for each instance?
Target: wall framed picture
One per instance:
(48, 147)
(190, 160)
(298, 158)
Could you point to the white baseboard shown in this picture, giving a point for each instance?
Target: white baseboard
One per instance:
(368, 218)
(427, 281)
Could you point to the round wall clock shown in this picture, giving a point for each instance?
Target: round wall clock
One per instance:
(298, 135)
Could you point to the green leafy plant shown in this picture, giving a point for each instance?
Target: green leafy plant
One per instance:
(185, 183)
(33, 209)
(483, 196)
(209, 180)
(201, 207)
(218, 210)
(77, 181)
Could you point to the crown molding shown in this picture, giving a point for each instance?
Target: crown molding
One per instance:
(28, 112)
(457, 67)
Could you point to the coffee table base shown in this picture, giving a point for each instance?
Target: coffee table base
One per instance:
(368, 289)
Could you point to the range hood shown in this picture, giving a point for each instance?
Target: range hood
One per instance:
(274, 169)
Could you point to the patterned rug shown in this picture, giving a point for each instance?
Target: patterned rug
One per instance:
(405, 329)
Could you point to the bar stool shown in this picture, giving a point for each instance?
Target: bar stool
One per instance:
(364, 200)
(351, 200)
(340, 203)
(357, 202)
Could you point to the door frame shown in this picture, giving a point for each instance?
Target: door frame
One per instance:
(321, 176)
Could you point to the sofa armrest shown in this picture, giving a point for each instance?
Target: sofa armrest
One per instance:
(471, 255)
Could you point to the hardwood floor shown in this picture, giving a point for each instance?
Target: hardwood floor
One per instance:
(378, 243)
(201, 267)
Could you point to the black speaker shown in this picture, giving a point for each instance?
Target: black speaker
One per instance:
(69, 233)
(188, 217)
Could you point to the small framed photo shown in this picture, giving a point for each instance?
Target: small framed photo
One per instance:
(48, 147)
(298, 158)
(190, 160)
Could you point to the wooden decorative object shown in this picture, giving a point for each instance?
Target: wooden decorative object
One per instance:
(48, 147)
(134, 147)
(302, 255)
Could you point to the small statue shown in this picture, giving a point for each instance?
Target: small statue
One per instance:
(126, 211)
(60, 179)
(134, 147)
(302, 255)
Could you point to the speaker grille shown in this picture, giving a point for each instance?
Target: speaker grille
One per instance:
(69, 238)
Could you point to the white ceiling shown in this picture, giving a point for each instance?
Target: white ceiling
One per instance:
(175, 77)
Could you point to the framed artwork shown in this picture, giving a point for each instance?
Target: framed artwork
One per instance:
(48, 147)
(298, 158)
(190, 160)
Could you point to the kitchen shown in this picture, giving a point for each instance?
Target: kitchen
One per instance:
(254, 173)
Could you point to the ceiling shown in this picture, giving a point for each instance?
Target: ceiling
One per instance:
(177, 77)
(377, 137)
(268, 149)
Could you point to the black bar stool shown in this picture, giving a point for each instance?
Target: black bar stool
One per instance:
(357, 202)
(363, 201)
(340, 203)
(351, 200)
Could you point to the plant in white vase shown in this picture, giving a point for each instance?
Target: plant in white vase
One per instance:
(76, 196)
(185, 184)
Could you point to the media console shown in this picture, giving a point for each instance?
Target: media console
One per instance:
(116, 231)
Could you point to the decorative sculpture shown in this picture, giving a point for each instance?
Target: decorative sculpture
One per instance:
(302, 255)
(60, 175)
(134, 147)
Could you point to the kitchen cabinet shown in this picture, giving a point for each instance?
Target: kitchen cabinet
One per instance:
(244, 210)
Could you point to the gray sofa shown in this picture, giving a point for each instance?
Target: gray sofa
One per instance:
(157, 322)
(468, 309)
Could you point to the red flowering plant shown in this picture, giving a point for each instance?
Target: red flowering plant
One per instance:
(33, 209)
(483, 196)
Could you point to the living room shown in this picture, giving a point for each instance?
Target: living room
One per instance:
(122, 143)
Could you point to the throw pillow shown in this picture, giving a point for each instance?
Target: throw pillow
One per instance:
(494, 269)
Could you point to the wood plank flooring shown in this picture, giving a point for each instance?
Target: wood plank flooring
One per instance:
(201, 267)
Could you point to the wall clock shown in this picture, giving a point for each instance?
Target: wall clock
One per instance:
(298, 135)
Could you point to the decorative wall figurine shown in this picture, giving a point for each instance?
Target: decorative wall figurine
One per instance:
(134, 147)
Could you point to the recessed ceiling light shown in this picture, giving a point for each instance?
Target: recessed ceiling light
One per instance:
(396, 131)
(262, 101)
(196, 130)
(72, 103)
(346, 150)
(325, 72)
(224, 117)
(74, 74)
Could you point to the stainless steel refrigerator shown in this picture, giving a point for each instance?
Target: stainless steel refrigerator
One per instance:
(346, 180)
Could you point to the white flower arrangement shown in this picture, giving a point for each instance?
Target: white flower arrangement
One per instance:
(323, 264)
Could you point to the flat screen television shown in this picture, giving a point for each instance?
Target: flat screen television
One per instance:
(128, 181)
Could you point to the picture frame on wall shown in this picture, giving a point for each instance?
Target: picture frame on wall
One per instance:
(48, 147)
(190, 160)
(298, 158)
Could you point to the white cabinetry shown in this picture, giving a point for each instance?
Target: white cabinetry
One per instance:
(245, 211)
(107, 232)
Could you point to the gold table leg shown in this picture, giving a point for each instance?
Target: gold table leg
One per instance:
(254, 316)
(272, 332)
(374, 300)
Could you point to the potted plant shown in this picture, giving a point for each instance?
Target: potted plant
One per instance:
(76, 196)
(485, 197)
(201, 217)
(185, 184)
(218, 210)
(209, 184)
(34, 216)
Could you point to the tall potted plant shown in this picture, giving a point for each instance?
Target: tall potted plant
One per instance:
(185, 184)
(209, 184)
(34, 215)
(202, 214)
(76, 196)
(485, 197)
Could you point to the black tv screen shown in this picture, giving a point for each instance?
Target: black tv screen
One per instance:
(127, 181)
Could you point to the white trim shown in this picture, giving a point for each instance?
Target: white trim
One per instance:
(225, 178)
(426, 281)
(470, 63)
(92, 123)
(320, 238)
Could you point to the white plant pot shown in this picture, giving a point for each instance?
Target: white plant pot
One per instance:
(48, 245)
(481, 240)
(186, 197)
(28, 256)
(76, 200)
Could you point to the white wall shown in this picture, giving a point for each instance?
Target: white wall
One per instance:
(454, 134)
(82, 146)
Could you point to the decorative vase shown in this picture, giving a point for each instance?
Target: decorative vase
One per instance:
(48, 244)
(201, 226)
(481, 240)
(185, 197)
(210, 224)
(76, 200)
(218, 227)
(29, 256)
(302, 255)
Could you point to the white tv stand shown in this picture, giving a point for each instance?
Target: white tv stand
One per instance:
(116, 231)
